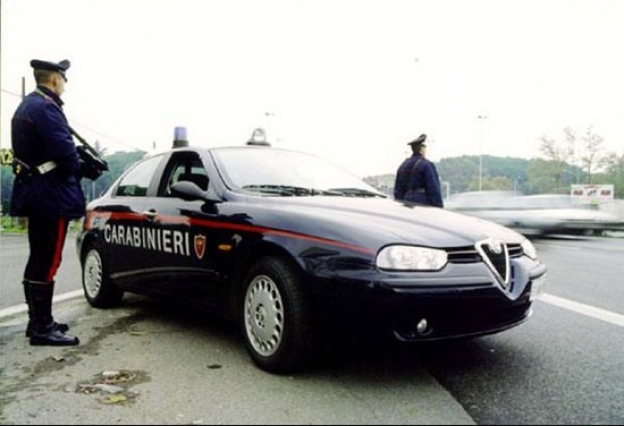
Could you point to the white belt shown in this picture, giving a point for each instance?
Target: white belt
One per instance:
(46, 167)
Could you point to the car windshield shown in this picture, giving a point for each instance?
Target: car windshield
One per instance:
(287, 173)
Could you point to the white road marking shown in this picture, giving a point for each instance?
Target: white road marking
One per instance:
(18, 309)
(580, 308)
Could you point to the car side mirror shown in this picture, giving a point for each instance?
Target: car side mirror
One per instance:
(188, 191)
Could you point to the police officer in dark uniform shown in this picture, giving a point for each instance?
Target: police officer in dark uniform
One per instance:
(47, 191)
(417, 179)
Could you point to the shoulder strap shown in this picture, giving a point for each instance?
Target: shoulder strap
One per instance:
(416, 164)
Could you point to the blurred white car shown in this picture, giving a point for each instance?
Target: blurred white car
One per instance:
(535, 215)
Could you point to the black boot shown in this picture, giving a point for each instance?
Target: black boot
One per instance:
(43, 331)
(63, 328)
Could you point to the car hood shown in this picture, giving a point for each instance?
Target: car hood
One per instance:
(377, 221)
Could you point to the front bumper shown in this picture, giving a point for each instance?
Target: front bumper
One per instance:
(443, 306)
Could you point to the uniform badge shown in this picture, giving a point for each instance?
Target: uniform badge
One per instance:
(200, 246)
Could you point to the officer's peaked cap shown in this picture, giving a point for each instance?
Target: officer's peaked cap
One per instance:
(60, 67)
(420, 140)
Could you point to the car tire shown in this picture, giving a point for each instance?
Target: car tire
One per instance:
(99, 291)
(276, 317)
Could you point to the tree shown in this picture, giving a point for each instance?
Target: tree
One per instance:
(558, 156)
(572, 152)
(459, 172)
(614, 173)
(543, 176)
(593, 158)
(117, 164)
(565, 156)
(6, 185)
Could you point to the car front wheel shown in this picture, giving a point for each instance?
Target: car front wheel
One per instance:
(276, 319)
(99, 291)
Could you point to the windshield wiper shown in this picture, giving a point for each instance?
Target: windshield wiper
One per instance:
(290, 191)
(357, 192)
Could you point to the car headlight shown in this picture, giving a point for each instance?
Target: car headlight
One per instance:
(408, 258)
(529, 249)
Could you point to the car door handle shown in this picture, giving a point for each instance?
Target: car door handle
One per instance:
(150, 214)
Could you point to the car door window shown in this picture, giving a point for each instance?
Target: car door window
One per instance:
(137, 181)
(184, 167)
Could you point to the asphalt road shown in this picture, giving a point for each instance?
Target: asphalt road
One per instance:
(564, 366)
(13, 257)
(169, 365)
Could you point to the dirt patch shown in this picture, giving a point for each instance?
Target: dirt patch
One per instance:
(114, 387)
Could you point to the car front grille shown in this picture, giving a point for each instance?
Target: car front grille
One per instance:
(470, 254)
(496, 255)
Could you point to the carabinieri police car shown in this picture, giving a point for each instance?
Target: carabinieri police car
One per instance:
(283, 241)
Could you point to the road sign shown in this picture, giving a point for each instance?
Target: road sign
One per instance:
(6, 157)
(593, 194)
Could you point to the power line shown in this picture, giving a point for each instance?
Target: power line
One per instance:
(84, 127)
(11, 93)
(107, 137)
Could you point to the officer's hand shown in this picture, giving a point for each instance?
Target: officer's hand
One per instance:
(89, 171)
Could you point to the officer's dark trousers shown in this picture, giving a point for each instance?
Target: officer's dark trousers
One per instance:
(46, 237)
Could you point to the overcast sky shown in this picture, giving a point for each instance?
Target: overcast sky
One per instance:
(350, 80)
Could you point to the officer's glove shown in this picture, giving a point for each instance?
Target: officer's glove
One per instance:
(91, 167)
(89, 172)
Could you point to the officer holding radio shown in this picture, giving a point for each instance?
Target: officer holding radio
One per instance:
(48, 168)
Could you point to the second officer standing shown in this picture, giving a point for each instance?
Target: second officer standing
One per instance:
(417, 178)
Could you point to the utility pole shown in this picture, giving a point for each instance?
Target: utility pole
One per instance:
(269, 128)
(481, 117)
(447, 186)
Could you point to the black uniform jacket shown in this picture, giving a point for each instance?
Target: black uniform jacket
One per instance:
(417, 181)
(40, 134)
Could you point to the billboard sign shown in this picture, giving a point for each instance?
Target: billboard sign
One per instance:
(6, 157)
(593, 194)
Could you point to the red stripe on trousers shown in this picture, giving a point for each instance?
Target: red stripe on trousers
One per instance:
(58, 249)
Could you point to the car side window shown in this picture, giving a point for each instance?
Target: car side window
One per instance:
(137, 181)
(184, 167)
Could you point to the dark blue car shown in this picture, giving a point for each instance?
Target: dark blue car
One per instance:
(283, 242)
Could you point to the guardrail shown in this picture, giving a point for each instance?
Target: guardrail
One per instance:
(615, 207)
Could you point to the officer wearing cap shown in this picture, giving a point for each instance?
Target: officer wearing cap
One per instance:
(417, 179)
(47, 191)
